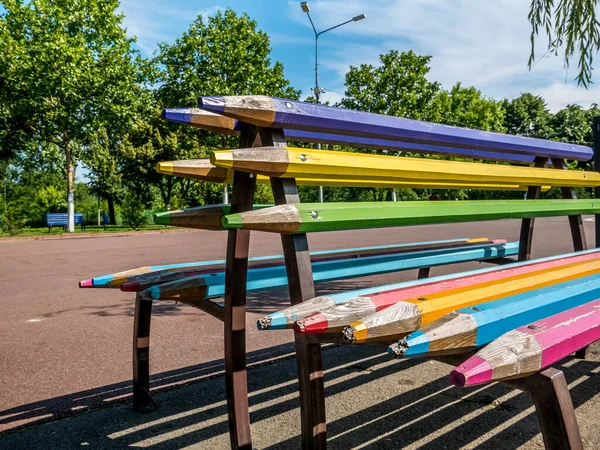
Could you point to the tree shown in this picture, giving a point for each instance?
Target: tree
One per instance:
(397, 87)
(527, 115)
(571, 25)
(466, 107)
(71, 67)
(224, 55)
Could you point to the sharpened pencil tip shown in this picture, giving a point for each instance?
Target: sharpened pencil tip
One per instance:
(165, 167)
(457, 379)
(86, 283)
(222, 159)
(232, 221)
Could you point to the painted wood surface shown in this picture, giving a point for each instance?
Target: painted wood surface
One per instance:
(115, 280)
(533, 347)
(200, 118)
(314, 217)
(208, 217)
(289, 114)
(288, 162)
(463, 330)
(141, 282)
(338, 316)
(407, 316)
(387, 295)
(204, 170)
(208, 286)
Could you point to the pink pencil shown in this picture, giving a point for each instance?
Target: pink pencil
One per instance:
(531, 348)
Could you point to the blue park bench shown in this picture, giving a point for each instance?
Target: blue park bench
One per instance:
(62, 219)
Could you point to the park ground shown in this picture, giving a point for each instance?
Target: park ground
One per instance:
(65, 357)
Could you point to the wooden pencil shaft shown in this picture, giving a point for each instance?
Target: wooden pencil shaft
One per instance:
(224, 125)
(386, 295)
(533, 347)
(410, 315)
(288, 114)
(314, 217)
(203, 170)
(289, 162)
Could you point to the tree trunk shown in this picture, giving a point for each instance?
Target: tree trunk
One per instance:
(70, 190)
(111, 210)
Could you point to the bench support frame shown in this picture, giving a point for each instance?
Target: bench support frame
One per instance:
(554, 408)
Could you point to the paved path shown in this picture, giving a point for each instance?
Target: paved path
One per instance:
(65, 350)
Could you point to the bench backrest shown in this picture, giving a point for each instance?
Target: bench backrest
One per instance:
(63, 218)
(290, 114)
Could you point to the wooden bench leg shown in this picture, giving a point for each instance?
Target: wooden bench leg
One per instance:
(236, 272)
(584, 353)
(424, 272)
(554, 408)
(142, 401)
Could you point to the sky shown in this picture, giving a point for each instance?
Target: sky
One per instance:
(479, 43)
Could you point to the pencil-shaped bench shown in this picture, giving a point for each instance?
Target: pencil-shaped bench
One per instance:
(463, 330)
(116, 280)
(204, 170)
(409, 315)
(313, 217)
(299, 163)
(531, 348)
(200, 118)
(331, 312)
(289, 114)
(334, 318)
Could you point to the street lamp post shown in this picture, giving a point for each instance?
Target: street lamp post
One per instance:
(317, 90)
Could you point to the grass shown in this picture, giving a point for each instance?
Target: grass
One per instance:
(90, 229)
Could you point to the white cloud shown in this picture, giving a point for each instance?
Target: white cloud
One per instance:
(484, 44)
(153, 21)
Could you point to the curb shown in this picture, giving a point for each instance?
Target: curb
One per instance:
(58, 237)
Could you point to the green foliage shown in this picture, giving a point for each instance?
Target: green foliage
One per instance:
(397, 87)
(569, 25)
(133, 211)
(527, 115)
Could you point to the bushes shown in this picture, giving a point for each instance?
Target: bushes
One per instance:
(133, 211)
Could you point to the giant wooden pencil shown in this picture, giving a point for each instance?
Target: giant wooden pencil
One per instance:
(531, 348)
(207, 217)
(314, 217)
(332, 318)
(213, 285)
(468, 328)
(115, 280)
(200, 118)
(138, 283)
(287, 317)
(287, 162)
(410, 315)
(290, 114)
(203, 170)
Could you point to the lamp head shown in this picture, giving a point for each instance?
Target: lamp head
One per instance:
(357, 18)
(305, 7)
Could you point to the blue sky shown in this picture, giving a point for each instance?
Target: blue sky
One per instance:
(483, 44)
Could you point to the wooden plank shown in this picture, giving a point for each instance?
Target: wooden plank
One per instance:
(212, 285)
(285, 318)
(531, 348)
(289, 114)
(115, 280)
(207, 217)
(204, 170)
(527, 224)
(314, 217)
(334, 317)
(221, 124)
(554, 408)
(236, 267)
(142, 401)
(412, 314)
(467, 328)
(289, 162)
(575, 222)
(301, 287)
